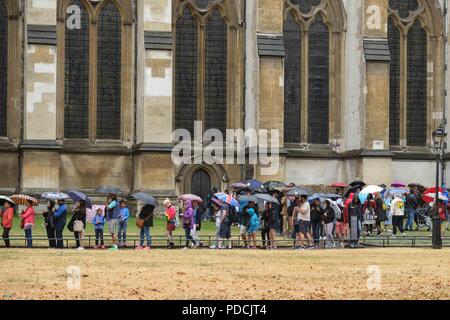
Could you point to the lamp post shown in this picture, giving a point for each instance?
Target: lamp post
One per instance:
(439, 146)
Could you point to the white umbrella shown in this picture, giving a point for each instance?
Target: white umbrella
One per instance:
(371, 189)
(334, 205)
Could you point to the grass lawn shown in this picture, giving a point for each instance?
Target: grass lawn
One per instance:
(236, 274)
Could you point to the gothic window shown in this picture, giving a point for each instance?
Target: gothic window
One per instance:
(202, 69)
(108, 73)
(307, 104)
(3, 68)
(76, 78)
(93, 68)
(411, 24)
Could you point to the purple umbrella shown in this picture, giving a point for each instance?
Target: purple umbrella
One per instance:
(398, 184)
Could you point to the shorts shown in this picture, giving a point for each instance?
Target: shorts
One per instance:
(304, 226)
(170, 226)
(340, 228)
(243, 230)
(113, 225)
(297, 228)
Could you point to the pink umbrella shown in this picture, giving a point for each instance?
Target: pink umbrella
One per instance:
(191, 197)
(398, 184)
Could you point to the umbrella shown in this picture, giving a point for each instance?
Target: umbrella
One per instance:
(239, 185)
(21, 199)
(108, 190)
(54, 196)
(393, 191)
(4, 199)
(352, 190)
(247, 198)
(430, 197)
(278, 185)
(418, 185)
(228, 199)
(254, 184)
(433, 190)
(371, 189)
(339, 185)
(76, 196)
(190, 197)
(357, 183)
(297, 191)
(334, 206)
(319, 196)
(398, 184)
(145, 198)
(332, 195)
(267, 198)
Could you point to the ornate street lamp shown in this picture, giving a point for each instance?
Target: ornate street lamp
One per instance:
(439, 147)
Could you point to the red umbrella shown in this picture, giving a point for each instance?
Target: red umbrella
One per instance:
(339, 185)
(430, 197)
(432, 190)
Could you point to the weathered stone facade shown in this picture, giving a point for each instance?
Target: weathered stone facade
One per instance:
(35, 155)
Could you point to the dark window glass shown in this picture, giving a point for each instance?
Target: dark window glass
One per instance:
(109, 73)
(292, 80)
(3, 67)
(404, 7)
(186, 64)
(76, 78)
(318, 100)
(203, 4)
(216, 73)
(394, 87)
(417, 86)
(305, 6)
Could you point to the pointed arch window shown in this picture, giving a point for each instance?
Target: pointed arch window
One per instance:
(93, 68)
(203, 42)
(3, 68)
(312, 34)
(415, 37)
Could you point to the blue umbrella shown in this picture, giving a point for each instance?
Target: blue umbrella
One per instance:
(316, 196)
(225, 198)
(76, 196)
(254, 184)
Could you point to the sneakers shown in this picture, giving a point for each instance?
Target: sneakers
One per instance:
(102, 247)
(80, 248)
(95, 247)
(139, 248)
(213, 247)
(404, 234)
(113, 248)
(146, 248)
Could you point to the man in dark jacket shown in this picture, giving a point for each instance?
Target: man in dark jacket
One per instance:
(59, 219)
(411, 206)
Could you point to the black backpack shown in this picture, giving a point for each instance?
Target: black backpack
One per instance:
(233, 214)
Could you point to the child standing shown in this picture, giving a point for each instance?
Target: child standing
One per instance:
(253, 226)
(99, 222)
(124, 215)
(7, 220)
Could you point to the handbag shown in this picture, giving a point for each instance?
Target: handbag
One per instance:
(22, 224)
(140, 222)
(78, 226)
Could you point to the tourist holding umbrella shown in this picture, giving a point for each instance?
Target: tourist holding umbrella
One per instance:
(187, 222)
(369, 213)
(170, 215)
(328, 220)
(7, 215)
(78, 223)
(411, 205)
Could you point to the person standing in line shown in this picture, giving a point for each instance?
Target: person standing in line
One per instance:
(123, 223)
(369, 214)
(265, 226)
(170, 215)
(196, 223)
(79, 223)
(146, 214)
(253, 226)
(27, 217)
(60, 218)
(303, 215)
(113, 218)
(411, 206)
(99, 222)
(187, 223)
(380, 213)
(49, 223)
(244, 218)
(7, 221)
(316, 221)
(328, 220)
(398, 213)
(225, 227)
(354, 214)
(284, 216)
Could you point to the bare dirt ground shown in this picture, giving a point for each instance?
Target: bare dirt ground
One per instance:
(236, 274)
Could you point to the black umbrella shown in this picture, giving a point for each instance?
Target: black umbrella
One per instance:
(353, 190)
(76, 196)
(145, 198)
(274, 185)
(358, 183)
(108, 190)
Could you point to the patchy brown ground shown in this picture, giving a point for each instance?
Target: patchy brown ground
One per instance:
(237, 274)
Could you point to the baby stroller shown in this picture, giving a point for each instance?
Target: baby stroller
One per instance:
(423, 217)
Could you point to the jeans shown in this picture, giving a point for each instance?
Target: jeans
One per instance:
(329, 232)
(5, 237)
(51, 236)
(187, 233)
(397, 222)
(316, 231)
(411, 215)
(29, 237)
(122, 231)
(146, 231)
(78, 236)
(264, 236)
(59, 237)
(99, 237)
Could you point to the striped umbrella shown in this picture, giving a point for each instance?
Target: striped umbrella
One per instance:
(21, 199)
